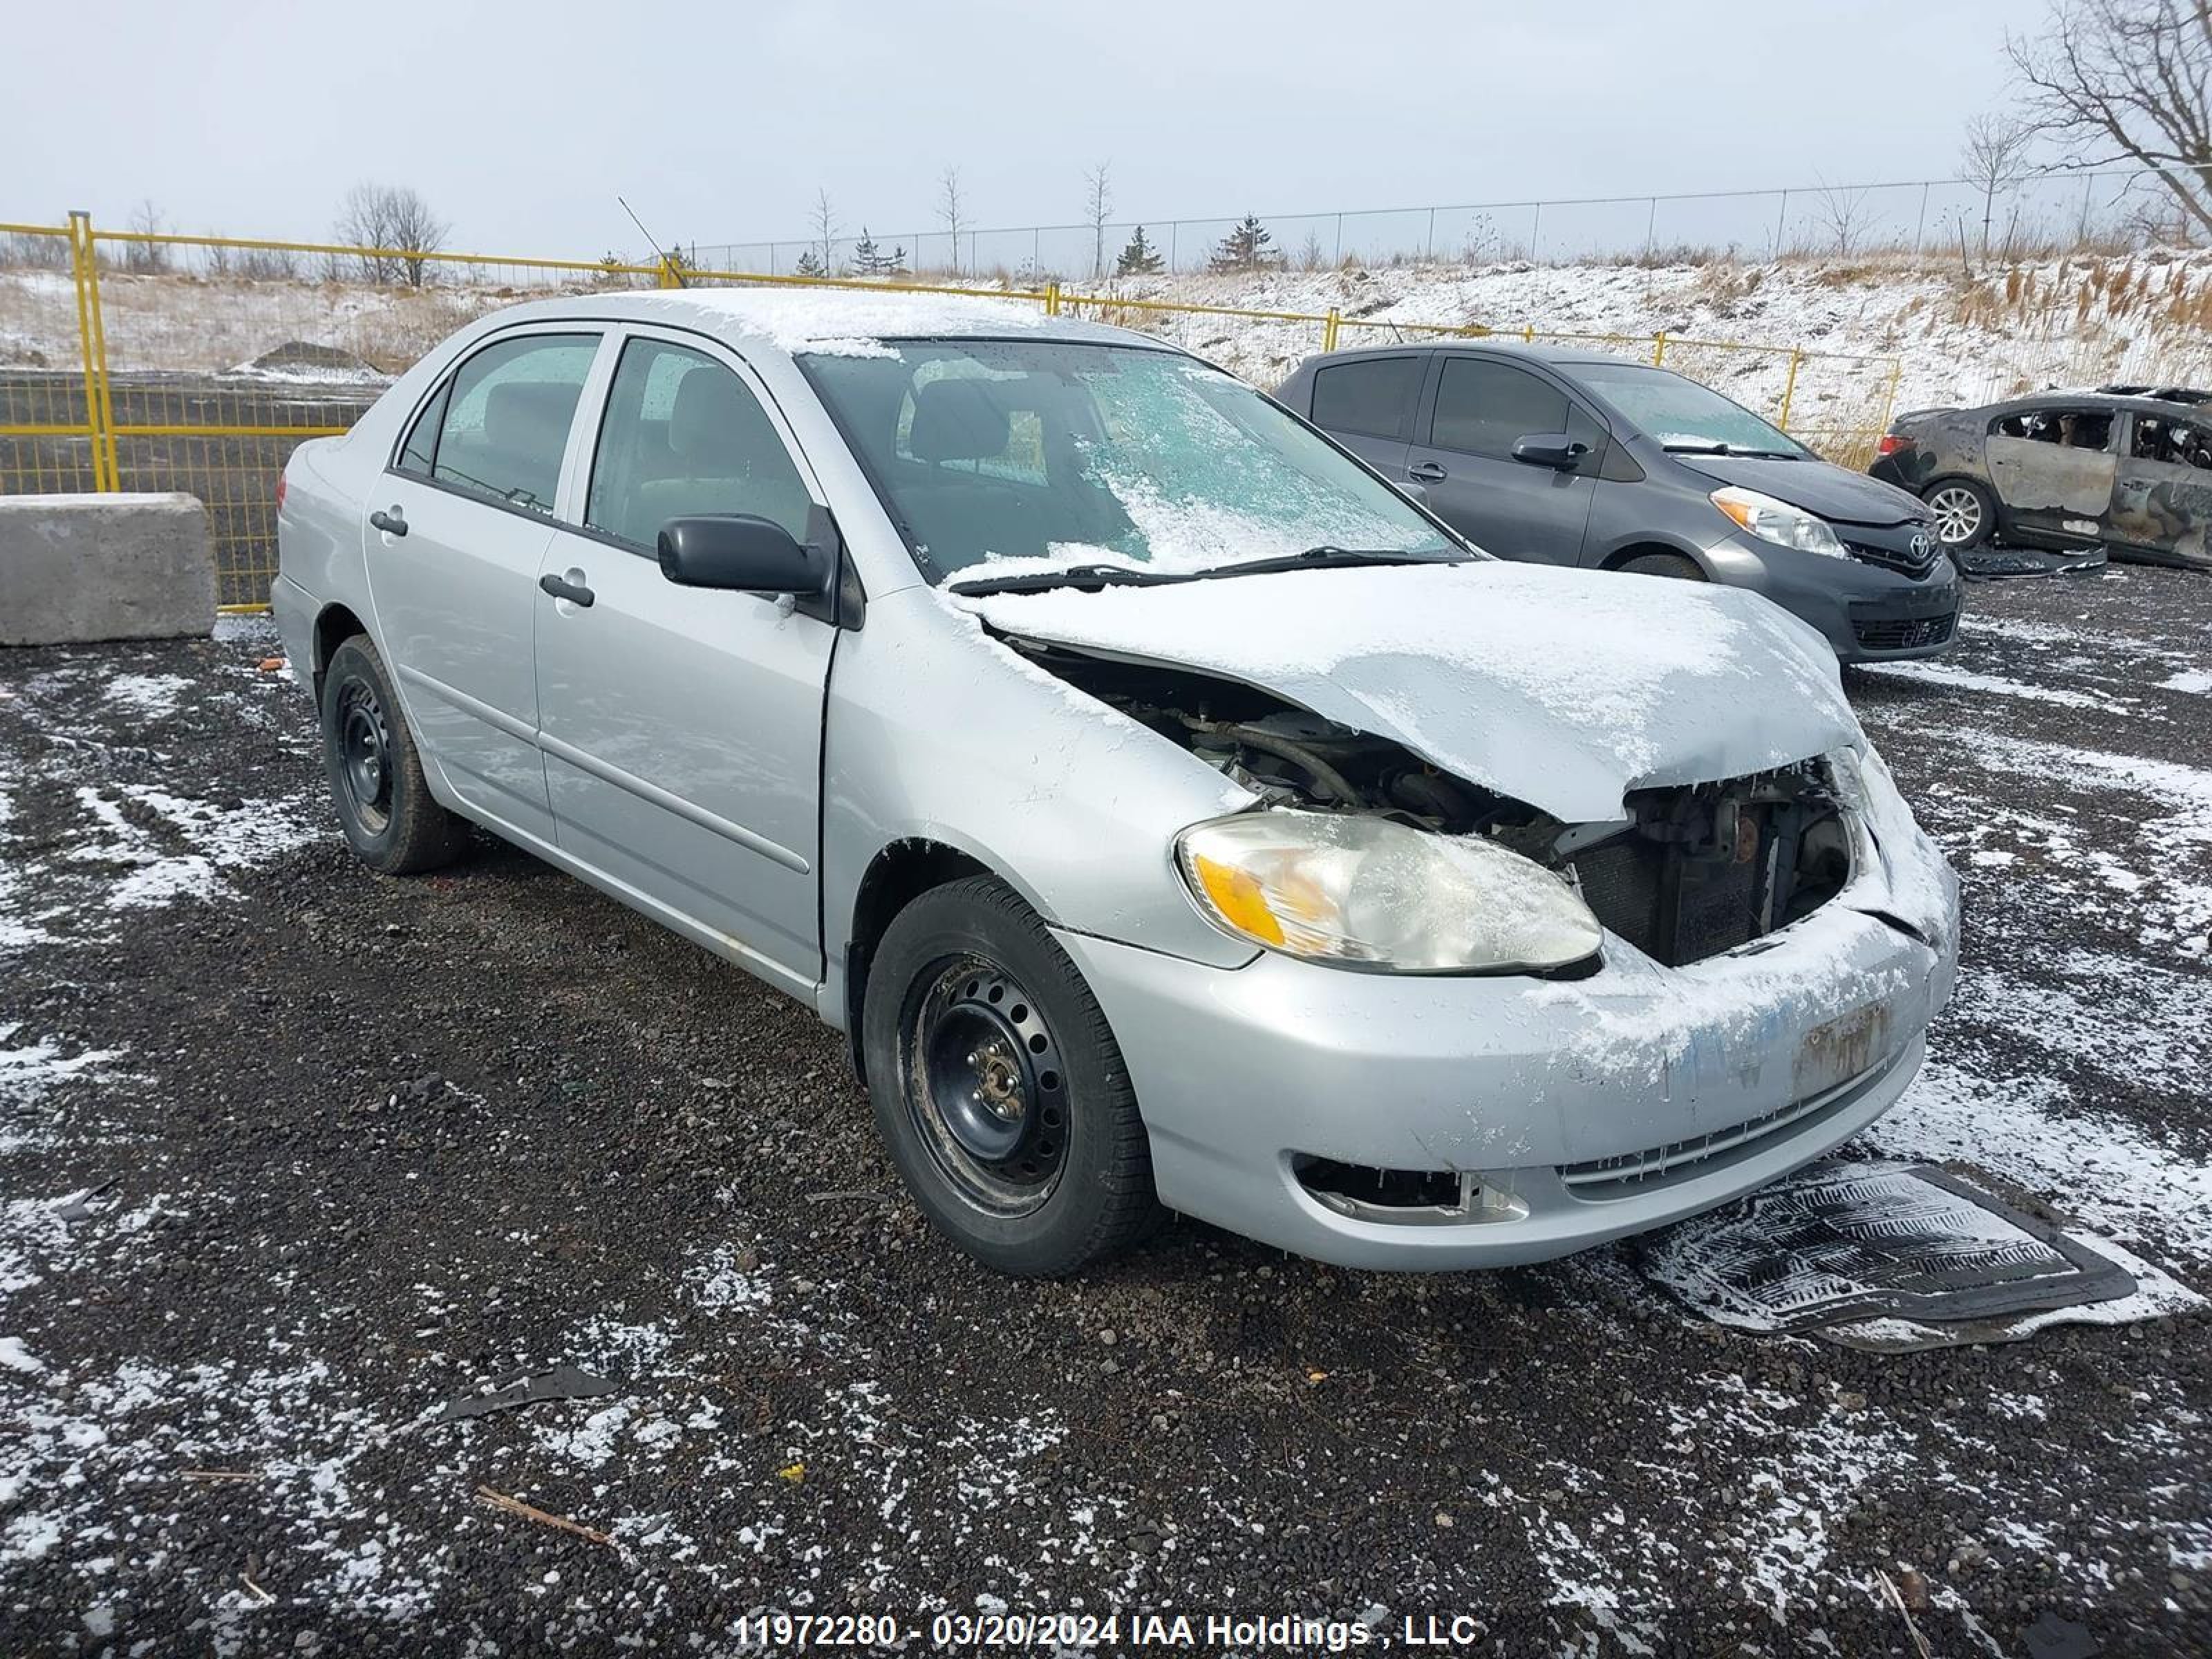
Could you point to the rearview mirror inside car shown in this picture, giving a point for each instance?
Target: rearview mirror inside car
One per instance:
(741, 553)
(1553, 449)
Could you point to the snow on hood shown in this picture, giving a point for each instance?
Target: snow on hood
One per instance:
(1562, 689)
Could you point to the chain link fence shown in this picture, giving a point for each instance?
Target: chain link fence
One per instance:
(2015, 217)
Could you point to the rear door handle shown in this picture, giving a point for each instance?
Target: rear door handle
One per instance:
(393, 523)
(1425, 473)
(561, 588)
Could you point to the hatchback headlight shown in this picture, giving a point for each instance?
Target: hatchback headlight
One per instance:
(1778, 522)
(1371, 893)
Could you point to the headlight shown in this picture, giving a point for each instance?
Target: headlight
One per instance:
(1778, 522)
(1369, 892)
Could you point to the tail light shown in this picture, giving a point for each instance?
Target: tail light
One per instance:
(1891, 442)
(280, 489)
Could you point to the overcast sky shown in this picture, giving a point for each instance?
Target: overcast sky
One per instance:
(719, 120)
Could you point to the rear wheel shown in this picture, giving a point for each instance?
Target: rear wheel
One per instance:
(1663, 564)
(384, 802)
(999, 1089)
(1965, 512)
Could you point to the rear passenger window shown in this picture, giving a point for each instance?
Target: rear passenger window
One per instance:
(422, 441)
(506, 418)
(683, 437)
(2175, 443)
(1373, 397)
(1484, 408)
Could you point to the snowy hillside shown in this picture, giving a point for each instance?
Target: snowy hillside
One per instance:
(1961, 338)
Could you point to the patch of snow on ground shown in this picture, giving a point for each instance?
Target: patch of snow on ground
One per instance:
(1966, 680)
(149, 696)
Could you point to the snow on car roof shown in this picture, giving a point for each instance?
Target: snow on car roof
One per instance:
(851, 322)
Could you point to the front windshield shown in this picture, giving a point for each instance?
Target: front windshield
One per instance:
(1036, 455)
(1683, 415)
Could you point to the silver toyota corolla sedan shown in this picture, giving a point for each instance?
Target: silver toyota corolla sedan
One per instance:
(1172, 814)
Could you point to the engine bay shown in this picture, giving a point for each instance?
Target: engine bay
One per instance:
(1690, 872)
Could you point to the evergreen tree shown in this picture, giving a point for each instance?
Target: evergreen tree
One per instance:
(1245, 247)
(1139, 257)
(810, 264)
(869, 258)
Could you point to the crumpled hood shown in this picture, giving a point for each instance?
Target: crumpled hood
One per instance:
(1562, 689)
(1838, 496)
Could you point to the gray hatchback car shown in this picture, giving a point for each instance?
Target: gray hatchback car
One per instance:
(1579, 458)
(1171, 814)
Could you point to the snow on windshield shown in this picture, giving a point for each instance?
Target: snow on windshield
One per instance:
(1023, 457)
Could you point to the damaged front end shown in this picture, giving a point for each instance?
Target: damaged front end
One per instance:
(1684, 873)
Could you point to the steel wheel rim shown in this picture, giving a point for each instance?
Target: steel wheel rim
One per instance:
(365, 755)
(1958, 514)
(984, 1087)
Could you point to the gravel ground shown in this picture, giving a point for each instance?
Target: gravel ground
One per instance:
(290, 1155)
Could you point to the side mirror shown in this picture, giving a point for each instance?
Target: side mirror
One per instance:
(1553, 449)
(1413, 490)
(742, 554)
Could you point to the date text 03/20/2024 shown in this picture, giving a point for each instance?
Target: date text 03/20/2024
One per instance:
(988, 1630)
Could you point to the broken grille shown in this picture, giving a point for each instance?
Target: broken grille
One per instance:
(1708, 867)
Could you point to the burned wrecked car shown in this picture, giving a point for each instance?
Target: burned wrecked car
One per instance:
(1173, 816)
(2059, 480)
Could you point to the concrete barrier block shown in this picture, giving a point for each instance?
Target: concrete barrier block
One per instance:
(74, 568)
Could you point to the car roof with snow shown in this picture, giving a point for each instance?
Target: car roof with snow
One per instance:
(831, 321)
(1496, 344)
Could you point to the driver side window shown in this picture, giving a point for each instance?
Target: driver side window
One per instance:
(1484, 408)
(682, 437)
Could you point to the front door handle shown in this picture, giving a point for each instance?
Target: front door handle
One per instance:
(393, 523)
(561, 588)
(1425, 473)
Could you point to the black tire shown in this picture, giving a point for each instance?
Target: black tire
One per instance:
(1663, 564)
(384, 802)
(1052, 1171)
(1966, 512)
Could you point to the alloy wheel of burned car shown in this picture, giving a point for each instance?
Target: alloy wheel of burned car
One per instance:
(1963, 514)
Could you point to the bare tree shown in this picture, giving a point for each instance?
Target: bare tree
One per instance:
(953, 208)
(390, 223)
(1842, 213)
(2128, 80)
(1994, 160)
(826, 229)
(1098, 208)
(147, 257)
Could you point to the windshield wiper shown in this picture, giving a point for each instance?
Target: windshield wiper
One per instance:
(1730, 449)
(1329, 555)
(1073, 576)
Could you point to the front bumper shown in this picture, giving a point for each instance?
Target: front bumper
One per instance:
(1586, 1108)
(1867, 612)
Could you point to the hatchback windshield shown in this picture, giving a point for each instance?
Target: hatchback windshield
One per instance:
(1683, 415)
(1038, 454)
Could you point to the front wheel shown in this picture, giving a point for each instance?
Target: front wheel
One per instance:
(1663, 564)
(1965, 512)
(999, 1088)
